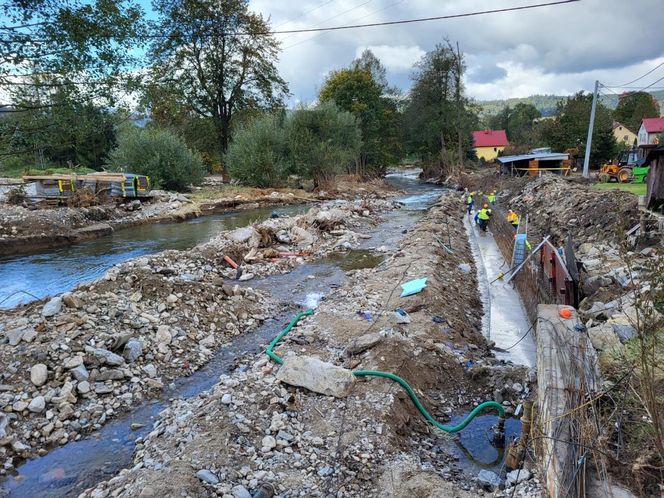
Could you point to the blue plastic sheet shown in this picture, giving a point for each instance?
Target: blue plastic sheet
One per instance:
(413, 287)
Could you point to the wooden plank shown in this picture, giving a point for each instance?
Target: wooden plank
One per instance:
(566, 374)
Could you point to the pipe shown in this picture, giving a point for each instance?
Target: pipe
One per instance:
(375, 373)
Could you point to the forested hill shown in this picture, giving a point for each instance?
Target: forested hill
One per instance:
(546, 104)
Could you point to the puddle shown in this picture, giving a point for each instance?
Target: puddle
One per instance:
(474, 446)
(355, 259)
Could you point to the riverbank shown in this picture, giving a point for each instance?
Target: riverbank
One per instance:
(24, 230)
(350, 444)
(79, 359)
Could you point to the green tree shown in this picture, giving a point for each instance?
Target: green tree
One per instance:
(438, 117)
(355, 91)
(216, 58)
(258, 154)
(322, 142)
(568, 130)
(633, 107)
(160, 154)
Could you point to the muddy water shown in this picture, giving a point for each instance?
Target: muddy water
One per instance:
(68, 470)
(59, 270)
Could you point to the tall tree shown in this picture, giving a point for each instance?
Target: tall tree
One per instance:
(437, 108)
(517, 122)
(356, 91)
(633, 107)
(367, 61)
(217, 57)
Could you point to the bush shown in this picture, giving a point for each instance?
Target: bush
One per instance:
(159, 154)
(322, 142)
(258, 153)
(16, 196)
(314, 143)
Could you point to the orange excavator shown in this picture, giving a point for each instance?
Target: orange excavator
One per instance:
(624, 169)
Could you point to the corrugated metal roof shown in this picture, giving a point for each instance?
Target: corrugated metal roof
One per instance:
(550, 156)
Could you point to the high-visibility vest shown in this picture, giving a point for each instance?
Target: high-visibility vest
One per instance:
(491, 197)
(469, 200)
(483, 214)
(513, 218)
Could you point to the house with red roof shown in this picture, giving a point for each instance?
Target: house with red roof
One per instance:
(648, 136)
(488, 143)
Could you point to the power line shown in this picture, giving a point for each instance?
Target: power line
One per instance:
(640, 77)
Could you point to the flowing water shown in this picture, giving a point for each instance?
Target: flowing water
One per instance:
(59, 270)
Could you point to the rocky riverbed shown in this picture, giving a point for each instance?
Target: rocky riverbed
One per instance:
(78, 359)
(345, 437)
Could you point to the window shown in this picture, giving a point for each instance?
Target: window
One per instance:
(626, 138)
(495, 149)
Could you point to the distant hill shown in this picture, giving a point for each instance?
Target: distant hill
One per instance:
(546, 104)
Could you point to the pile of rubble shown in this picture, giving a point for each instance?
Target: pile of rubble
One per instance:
(354, 436)
(559, 207)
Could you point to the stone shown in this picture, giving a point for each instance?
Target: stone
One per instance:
(72, 301)
(14, 336)
(488, 480)
(19, 406)
(163, 335)
(37, 405)
(246, 276)
(80, 373)
(226, 399)
(269, 442)
(364, 342)
(83, 387)
(73, 362)
(52, 308)
(316, 375)
(39, 374)
(4, 422)
(325, 471)
(465, 267)
(132, 350)
(517, 476)
(603, 337)
(102, 388)
(172, 299)
(150, 370)
(207, 342)
(247, 235)
(29, 335)
(240, 491)
(208, 476)
(108, 357)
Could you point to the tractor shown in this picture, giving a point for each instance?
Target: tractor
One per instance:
(627, 168)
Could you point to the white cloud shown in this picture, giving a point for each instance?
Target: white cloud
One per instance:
(395, 58)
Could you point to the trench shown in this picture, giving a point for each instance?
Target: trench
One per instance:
(70, 469)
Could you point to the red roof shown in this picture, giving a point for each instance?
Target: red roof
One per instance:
(653, 125)
(490, 138)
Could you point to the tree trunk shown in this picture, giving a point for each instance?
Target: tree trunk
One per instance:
(222, 126)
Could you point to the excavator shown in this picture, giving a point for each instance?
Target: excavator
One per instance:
(626, 168)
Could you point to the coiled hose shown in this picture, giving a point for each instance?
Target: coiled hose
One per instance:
(409, 390)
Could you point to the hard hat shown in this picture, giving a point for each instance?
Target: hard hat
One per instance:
(565, 313)
(485, 206)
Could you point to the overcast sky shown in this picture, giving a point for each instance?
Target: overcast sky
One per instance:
(558, 49)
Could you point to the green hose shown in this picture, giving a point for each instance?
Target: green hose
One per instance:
(375, 373)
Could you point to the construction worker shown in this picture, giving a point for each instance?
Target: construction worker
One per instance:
(482, 217)
(470, 199)
(491, 197)
(513, 219)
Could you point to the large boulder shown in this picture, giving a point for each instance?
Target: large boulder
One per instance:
(52, 308)
(245, 235)
(316, 375)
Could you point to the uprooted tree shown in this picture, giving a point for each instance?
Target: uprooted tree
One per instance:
(216, 58)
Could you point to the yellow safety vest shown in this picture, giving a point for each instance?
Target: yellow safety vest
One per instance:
(483, 214)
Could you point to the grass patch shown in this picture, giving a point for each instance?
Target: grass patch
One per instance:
(634, 188)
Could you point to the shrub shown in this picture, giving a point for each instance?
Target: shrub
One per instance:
(16, 196)
(322, 142)
(159, 154)
(258, 153)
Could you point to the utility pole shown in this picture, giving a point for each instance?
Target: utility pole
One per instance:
(589, 140)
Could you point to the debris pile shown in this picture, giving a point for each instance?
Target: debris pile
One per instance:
(559, 207)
